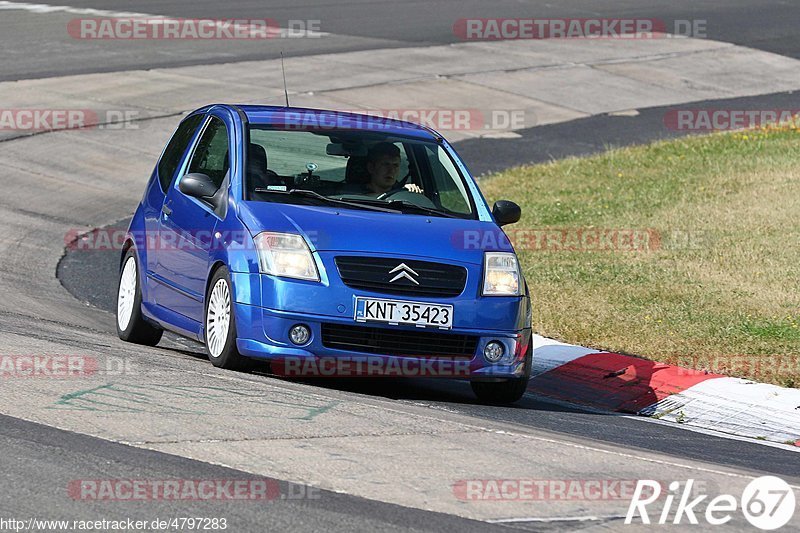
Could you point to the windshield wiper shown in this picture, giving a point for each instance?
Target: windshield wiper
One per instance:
(405, 204)
(330, 201)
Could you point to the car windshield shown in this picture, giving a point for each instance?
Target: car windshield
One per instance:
(354, 169)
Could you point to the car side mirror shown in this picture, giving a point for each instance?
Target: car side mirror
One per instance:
(506, 212)
(198, 185)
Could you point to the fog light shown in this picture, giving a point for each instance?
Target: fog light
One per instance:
(299, 334)
(494, 351)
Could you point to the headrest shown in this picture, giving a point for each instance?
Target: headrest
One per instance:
(356, 171)
(257, 156)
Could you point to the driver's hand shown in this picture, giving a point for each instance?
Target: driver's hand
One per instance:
(413, 187)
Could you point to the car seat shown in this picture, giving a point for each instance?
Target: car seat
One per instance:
(258, 175)
(356, 175)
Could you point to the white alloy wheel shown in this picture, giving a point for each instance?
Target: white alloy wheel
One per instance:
(126, 296)
(218, 318)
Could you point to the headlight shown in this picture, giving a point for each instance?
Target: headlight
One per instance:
(286, 255)
(501, 276)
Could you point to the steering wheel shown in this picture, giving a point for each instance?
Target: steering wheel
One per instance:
(389, 194)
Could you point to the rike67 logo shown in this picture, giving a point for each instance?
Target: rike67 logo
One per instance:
(768, 503)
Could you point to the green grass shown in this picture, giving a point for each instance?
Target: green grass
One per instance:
(719, 278)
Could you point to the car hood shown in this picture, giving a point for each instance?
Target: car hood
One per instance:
(354, 230)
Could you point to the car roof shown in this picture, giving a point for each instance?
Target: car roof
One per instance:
(302, 118)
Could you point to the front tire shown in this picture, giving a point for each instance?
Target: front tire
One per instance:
(131, 325)
(220, 324)
(506, 391)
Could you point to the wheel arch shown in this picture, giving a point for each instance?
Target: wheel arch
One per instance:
(215, 266)
(127, 245)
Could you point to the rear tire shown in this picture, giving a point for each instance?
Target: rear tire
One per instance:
(131, 325)
(506, 391)
(220, 324)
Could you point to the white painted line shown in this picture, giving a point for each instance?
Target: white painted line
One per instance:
(665, 423)
(712, 432)
(631, 456)
(47, 8)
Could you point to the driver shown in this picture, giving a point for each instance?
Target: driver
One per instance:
(383, 165)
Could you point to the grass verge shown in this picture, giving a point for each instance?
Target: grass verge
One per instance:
(685, 252)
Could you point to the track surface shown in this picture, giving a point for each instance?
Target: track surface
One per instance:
(62, 456)
(77, 182)
(595, 134)
(356, 25)
(91, 277)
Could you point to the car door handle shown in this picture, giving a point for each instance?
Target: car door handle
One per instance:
(166, 210)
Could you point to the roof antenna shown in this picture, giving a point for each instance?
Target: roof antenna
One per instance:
(285, 90)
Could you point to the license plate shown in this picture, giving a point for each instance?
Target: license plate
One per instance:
(402, 312)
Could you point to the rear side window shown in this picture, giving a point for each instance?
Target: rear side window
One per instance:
(175, 150)
(211, 155)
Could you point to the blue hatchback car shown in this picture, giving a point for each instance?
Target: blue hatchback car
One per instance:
(296, 235)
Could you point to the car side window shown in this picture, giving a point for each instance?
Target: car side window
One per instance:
(211, 155)
(175, 149)
(452, 194)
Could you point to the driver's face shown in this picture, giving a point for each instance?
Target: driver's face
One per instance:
(383, 173)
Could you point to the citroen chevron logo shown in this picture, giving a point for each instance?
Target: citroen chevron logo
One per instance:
(406, 272)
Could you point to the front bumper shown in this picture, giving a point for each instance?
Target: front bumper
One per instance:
(266, 307)
(264, 334)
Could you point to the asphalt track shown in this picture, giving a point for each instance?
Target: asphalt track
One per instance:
(35, 45)
(598, 133)
(62, 456)
(39, 460)
(91, 277)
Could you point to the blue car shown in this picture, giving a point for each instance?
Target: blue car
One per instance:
(328, 242)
